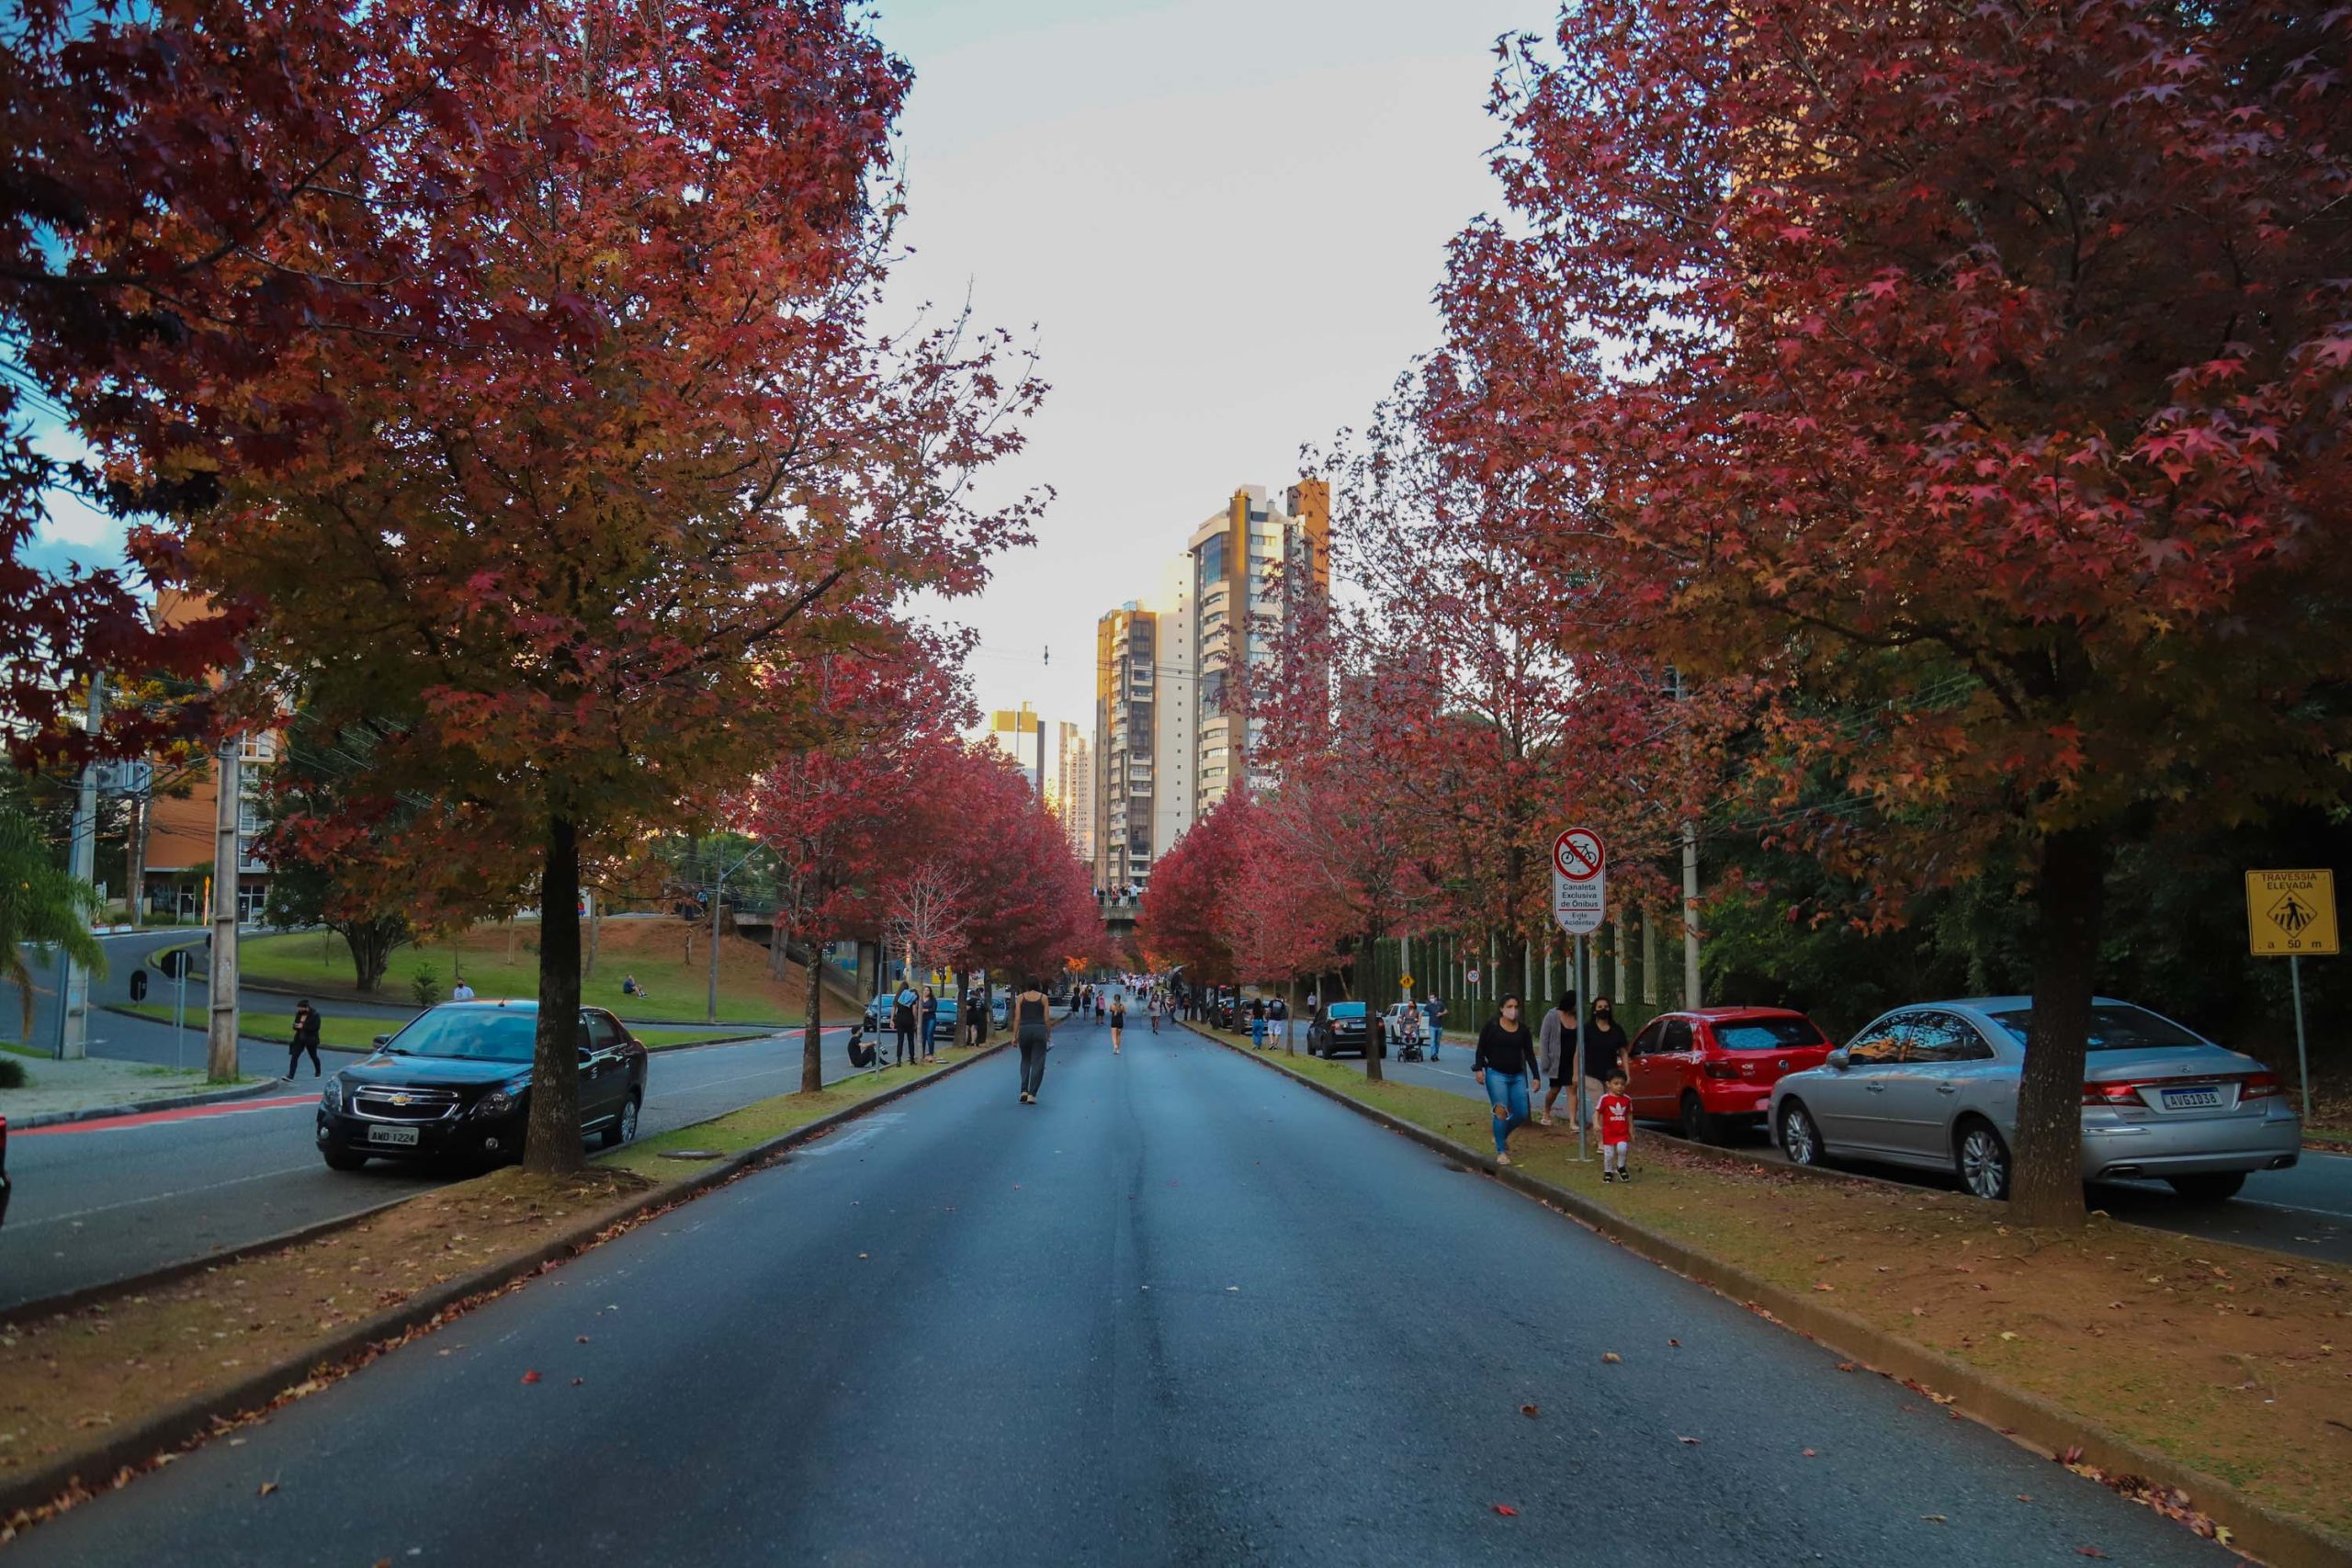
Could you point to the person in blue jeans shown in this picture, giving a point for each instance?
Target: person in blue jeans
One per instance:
(1434, 1010)
(1506, 1059)
(930, 1024)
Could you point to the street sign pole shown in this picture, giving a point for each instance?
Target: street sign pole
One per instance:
(1577, 1095)
(2303, 1056)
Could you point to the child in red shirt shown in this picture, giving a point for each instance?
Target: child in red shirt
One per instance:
(1612, 1115)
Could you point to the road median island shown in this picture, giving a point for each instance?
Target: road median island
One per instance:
(2209, 1380)
(95, 1395)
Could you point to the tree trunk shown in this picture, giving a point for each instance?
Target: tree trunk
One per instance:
(1372, 1039)
(371, 952)
(2046, 1178)
(812, 1031)
(551, 1146)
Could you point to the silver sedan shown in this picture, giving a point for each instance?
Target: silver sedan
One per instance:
(1934, 1086)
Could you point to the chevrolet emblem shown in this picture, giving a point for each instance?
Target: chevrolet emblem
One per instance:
(399, 1099)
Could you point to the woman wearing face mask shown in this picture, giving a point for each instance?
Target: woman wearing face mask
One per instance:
(1604, 1053)
(1505, 1060)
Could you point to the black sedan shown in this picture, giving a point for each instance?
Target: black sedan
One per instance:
(1346, 1028)
(455, 1083)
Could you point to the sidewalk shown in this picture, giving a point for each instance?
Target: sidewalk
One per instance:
(59, 1090)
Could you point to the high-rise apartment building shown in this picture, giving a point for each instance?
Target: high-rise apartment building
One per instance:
(1166, 749)
(1073, 794)
(1252, 563)
(1021, 736)
(1126, 703)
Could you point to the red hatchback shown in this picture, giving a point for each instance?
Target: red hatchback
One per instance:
(1711, 1067)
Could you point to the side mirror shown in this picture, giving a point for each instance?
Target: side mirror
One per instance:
(383, 1039)
(1839, 1060)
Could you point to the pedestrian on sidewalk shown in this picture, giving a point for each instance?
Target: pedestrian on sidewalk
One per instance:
(1257, 1023)
(306, 1038)
(930, 1024)
(1032, 1026)
(902, 1020)
(1604, 1052)
(1505, 1058)
(1118, 1020)
(461, 992)
(1559, 1040)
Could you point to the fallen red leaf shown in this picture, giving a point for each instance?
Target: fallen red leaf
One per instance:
(1846, 1366)
(577, 1381)
(579, 1339)
(1529, 1410)
(2088, 1551)
(1691, 1441)
(1612, 1356)
(1810, 1454)
(1676, 1343)
(531, 1376)
(1506, 1510)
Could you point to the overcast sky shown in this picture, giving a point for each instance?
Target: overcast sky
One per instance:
(1223, 220)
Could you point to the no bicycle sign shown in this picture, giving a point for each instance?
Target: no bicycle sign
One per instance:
(1579, 880)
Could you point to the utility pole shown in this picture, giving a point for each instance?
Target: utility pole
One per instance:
(73, 991)
(1690, 915)
(220, 1035)
(718, 892)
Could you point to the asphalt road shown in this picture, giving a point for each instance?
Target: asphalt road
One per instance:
(2306, 1210)
(1180, 1312)
(99, 1202)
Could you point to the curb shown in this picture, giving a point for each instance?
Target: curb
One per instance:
(2256, 1529)
(141, 1106)
(184, 1424)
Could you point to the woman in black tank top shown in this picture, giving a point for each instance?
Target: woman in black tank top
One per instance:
(1032, 1026)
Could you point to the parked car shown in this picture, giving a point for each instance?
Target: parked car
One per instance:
(1711, 1071)
(1344, 1029)
(948, 1010)
(455, 1083)
(4, 1170)
(1935, 1086)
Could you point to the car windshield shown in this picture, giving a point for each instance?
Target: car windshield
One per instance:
(1767, 1033)
(487, 1034)
(2115, 1026)
(1346, 1010)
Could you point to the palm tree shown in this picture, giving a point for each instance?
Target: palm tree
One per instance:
(41, 906)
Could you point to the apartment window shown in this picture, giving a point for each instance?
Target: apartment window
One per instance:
(1212, 561)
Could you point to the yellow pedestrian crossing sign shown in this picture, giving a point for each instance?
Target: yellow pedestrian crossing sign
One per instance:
(2291, 914)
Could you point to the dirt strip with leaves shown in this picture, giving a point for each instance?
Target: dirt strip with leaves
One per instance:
(68, 1380)
(2232, 1360)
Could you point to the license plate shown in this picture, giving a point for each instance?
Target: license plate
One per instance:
(392, 1135)
(2193, 1099)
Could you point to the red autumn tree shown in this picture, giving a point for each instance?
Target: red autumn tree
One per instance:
(1971, 376)
(176, 214)
(862, 762)
(650, 459)
(1031, 903)
(1184, 923)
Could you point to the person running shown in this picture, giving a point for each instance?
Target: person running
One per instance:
(306, 1038)
(1612, 1118)
(1257, 1023)
(1033, 1027)
(1557, 1039)
(1506, 1056)
(930, 1024)
(902, 1021)
(1604, 1052)
(1118, 1020)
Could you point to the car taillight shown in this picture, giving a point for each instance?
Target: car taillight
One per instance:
(2124, 1092)
(1719, 1070)
(2258, 1086)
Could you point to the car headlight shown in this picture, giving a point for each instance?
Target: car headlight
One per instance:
(497, 1102)
(331, 1097)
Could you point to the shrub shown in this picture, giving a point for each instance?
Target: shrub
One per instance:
(425, 985)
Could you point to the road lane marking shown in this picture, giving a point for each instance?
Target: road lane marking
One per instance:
(2295, 1208)
(154, 1118)
(161, 1197)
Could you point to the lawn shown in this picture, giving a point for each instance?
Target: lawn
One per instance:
(2225, 1358)
(357, 1034)
(500, 960)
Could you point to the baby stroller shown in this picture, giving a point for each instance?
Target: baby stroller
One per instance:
(1407, 1037)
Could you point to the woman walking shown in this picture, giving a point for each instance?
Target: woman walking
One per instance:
(930, 1024)
(1257, 1023)
(1031, 1022)
(1118, 1020)
(1557, 1043)
(1506, 1056)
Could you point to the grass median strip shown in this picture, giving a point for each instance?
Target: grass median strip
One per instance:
(68, 1380)
(347, 1033)
(2234, 1361)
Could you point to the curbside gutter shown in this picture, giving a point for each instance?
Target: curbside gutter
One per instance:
(106, 1465)
(141, 1106)
(2256, 1529)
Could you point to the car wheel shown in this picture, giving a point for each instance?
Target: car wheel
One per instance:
(1800, 1139)
(2208, 1186)
(1984, 1162)
(344, 1159)
(624, 1129)
(1697, 1125)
